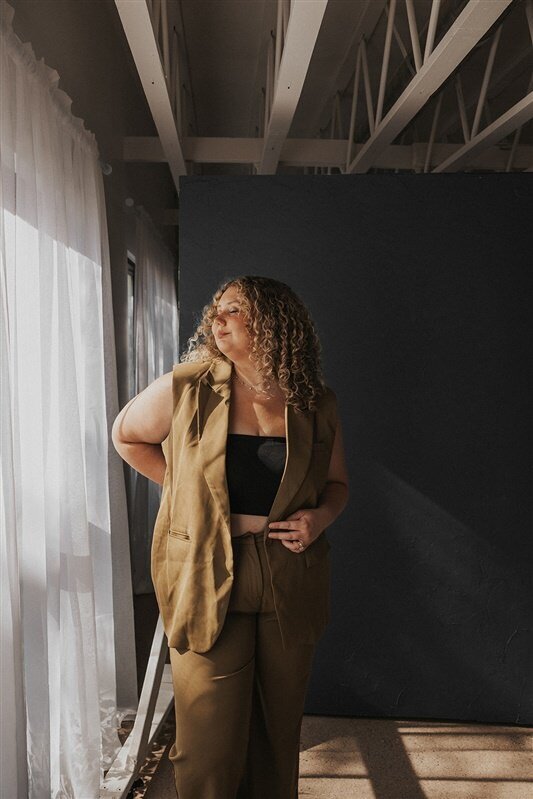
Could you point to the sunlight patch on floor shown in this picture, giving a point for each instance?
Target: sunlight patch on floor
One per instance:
(392, 759)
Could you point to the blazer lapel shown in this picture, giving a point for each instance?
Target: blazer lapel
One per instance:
(213, 397)
(213, 401)
(299, 428)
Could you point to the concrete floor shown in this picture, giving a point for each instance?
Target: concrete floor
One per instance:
(361, 758)
(353, 758)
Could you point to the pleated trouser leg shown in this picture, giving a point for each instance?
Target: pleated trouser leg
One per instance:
(239, 706)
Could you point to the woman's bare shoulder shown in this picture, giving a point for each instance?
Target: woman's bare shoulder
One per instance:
(147, 416)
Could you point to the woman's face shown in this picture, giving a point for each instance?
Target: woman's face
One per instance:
(229, 330)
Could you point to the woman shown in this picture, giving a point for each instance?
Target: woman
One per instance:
(244, 436)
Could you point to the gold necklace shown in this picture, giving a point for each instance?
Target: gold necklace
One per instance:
(251, 387)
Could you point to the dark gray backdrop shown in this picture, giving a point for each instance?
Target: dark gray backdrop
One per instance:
(420, 290)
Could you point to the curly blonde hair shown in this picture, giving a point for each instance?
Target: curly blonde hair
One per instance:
(284, 345)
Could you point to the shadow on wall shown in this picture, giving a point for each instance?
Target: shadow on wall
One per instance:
(429, 619)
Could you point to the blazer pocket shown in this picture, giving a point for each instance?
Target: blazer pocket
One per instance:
(179, 532)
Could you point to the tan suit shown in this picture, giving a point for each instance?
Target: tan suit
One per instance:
(192, 555)
(243, 614)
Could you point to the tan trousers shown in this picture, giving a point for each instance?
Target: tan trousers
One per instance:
(239, 706)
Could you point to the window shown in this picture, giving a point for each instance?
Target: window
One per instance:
(131, 329)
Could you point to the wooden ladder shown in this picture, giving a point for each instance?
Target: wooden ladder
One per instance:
(156, 700)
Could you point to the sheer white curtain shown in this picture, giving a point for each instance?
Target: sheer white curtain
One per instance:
(155, 320)
(57, 639)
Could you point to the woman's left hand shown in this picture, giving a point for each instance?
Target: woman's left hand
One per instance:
(304, 525)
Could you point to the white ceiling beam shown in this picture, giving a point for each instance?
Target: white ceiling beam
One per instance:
(485, 83)
(519, 114)
(498, 82)
(432, 28)
(135, 18)
(494, 158)
(433, 132)
(302, 32)
(385, 61)
(317, 152)
(223, 150)
(413, 32)
(471, 24)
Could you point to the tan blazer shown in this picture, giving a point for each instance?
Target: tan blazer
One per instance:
(192, 556)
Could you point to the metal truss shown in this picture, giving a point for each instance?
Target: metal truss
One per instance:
(366, 24)
(435, 61)
(511, 120)
(475, 141)
(432, 69)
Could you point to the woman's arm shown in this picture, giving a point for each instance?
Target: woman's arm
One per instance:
(311, 522)
(142, 424)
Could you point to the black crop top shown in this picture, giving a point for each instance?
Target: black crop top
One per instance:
(254, 467)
